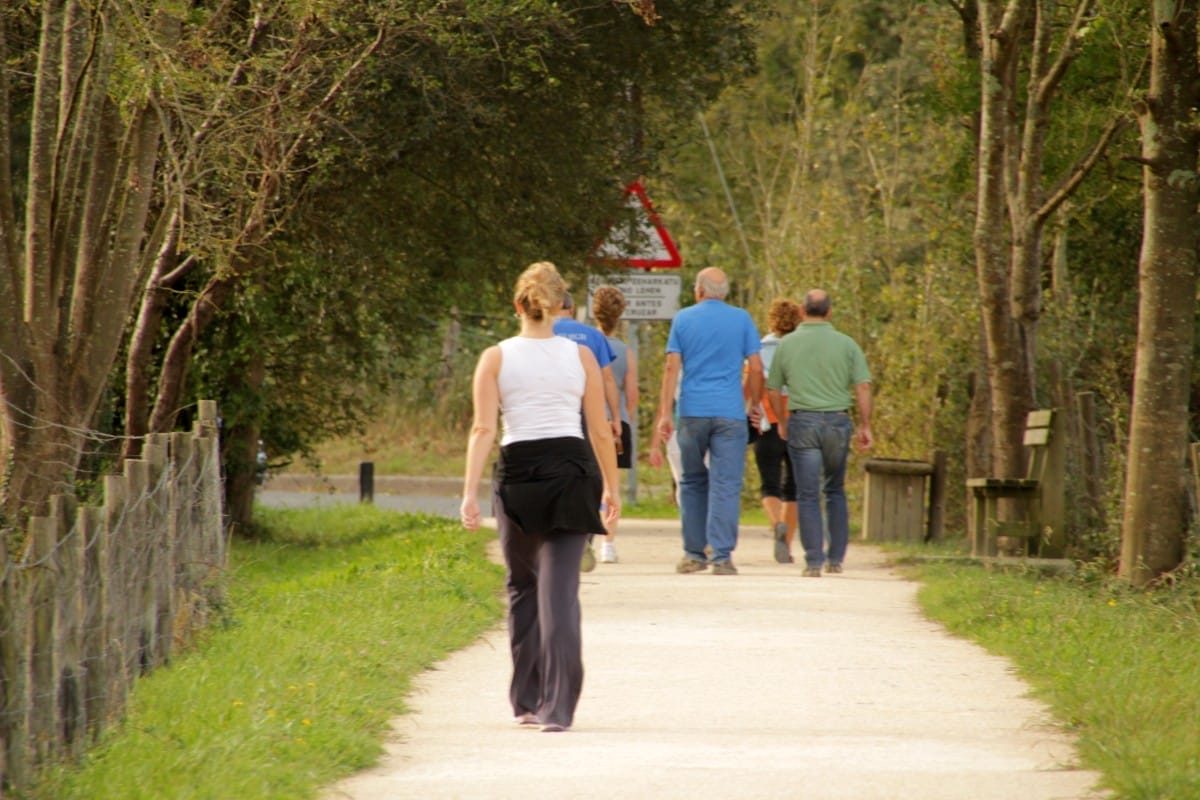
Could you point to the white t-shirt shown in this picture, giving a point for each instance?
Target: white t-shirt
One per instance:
(541, 388)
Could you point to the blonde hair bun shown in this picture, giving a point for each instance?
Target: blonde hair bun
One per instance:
(539, 291)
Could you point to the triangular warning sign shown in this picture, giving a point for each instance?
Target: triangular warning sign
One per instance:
(644, 243)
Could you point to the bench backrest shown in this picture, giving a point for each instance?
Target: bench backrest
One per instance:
(1046, 441)
(1038, 427)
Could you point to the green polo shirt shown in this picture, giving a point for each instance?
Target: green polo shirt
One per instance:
(818, 367)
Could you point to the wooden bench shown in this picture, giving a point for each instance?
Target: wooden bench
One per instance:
(1033, 506)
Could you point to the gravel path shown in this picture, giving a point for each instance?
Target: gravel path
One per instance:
(760, 685)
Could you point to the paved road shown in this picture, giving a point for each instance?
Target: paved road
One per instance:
(428, 495)
(762, 685)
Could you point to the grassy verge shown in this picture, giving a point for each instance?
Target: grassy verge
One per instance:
(327, 622)
(1119, 667)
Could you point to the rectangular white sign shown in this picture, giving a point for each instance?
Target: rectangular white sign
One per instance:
(648, 296)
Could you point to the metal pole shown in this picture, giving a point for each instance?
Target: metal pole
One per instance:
(631, 483)
(712, 148)
(366, 482)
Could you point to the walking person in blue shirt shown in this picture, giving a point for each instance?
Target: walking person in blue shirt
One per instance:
(608, 303)
(711, 342)
(568, 327)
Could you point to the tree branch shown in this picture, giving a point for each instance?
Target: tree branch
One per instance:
(1066, 54)
(1067, 186)
(1010, 21)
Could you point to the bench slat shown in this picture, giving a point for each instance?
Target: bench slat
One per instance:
(1037, 436)
(1002, 483)
(1040, 418)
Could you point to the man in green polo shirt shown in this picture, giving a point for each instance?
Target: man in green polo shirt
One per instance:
(824, 374)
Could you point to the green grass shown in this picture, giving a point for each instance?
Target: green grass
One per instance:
(1120, 668)
(330, 617)
(327, 621)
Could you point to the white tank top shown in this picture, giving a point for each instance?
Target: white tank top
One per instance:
(541, 388)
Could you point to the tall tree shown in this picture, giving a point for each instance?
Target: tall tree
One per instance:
(168, 146)
(72, 265)
(1027, 48)
(1154, 526)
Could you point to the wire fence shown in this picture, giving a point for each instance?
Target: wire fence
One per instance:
(105, 593)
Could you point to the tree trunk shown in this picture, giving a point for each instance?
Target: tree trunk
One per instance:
(68, 285)
(178, 358)
(140, 354)
(1012, 146)
(1005, 362)
(979, 442)
(1153, 529)
(239, 449)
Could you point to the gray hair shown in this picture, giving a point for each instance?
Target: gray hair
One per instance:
(715, 288)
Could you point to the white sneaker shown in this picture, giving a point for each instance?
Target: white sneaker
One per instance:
(608, 553)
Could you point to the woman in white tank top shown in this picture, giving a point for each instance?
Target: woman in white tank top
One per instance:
(547, 489)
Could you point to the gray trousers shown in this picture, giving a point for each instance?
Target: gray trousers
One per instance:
(542, 579)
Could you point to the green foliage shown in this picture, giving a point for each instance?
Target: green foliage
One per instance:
(483, 136)
(850, 158)
(1118, 666)
(278, 703)
(849, 170)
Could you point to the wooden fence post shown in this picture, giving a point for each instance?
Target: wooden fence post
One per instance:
(69, 565)
(211, 532)
(115, 577)
(16, 644)
(97, 618)
(937, 498)
(161, 562)
(43, 670)
(133, 541)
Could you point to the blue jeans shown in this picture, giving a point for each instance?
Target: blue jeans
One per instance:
(710, 496)
(818, 442)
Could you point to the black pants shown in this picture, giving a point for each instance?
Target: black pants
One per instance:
(542, 580)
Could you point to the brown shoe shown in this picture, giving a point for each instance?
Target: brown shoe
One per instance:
(724, 568)
(812, 572)
(688, 564)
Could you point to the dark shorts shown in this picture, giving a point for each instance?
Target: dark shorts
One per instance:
(625, 457)
(774, 466)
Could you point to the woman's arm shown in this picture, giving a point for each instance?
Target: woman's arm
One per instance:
(485, 396)
(600, 434)
(631, 389)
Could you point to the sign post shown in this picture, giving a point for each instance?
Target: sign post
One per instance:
(648, 296)
(642, 243)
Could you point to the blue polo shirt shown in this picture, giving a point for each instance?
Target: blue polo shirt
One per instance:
(713, 339)
(586, 335)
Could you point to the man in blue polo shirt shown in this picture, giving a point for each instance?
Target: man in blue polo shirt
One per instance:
(711, 343)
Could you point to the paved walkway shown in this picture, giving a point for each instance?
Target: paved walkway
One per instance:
(762, 685)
